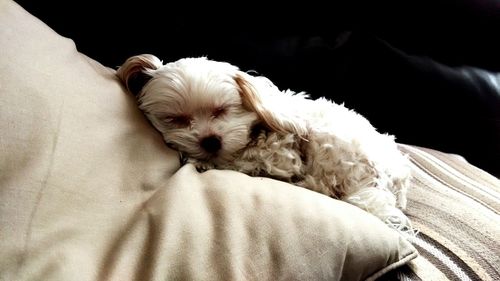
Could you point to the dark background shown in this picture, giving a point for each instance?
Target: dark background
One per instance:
(422, 71)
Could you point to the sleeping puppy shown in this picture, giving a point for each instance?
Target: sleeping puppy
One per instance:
(219, 117)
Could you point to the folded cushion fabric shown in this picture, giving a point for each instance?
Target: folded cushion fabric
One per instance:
(89, 191)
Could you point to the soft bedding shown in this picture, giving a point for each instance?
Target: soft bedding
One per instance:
(88, 191)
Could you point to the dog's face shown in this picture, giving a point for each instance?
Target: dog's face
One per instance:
(196, 104)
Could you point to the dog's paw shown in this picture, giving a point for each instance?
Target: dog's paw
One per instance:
(200, 165)
(203, 166)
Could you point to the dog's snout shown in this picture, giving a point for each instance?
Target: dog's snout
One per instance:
(211, 144)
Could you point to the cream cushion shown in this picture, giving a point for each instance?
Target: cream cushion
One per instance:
(88, 190)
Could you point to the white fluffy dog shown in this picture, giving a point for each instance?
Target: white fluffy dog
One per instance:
(218, 116)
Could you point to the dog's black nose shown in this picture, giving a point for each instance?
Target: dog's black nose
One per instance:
(211, 144)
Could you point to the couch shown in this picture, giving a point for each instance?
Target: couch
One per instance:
(426, 72)
(89, 191)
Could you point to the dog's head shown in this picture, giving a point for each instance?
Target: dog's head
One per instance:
(206, 109)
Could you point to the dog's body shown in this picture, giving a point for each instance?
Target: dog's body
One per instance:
(220, 117)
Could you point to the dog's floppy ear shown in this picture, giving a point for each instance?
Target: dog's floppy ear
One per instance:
(274, 108)
(135, 71)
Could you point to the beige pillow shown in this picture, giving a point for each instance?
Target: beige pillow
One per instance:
(88, 191)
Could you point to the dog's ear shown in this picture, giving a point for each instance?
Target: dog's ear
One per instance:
(273, 107)
(136, 71)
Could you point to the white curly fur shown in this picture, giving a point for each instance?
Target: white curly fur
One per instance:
(257, 129)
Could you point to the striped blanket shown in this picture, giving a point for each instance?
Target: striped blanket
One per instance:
(456, 208)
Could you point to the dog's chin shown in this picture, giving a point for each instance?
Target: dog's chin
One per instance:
(215, 159)
(220, 158)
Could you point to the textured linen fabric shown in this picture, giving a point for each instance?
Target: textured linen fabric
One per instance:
(88, 190)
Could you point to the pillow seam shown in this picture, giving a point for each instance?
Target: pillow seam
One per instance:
(393, 266)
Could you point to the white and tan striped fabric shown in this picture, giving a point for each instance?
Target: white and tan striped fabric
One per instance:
(456, 207)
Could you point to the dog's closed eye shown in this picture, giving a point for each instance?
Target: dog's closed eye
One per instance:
(219, 111)
(178, 120)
